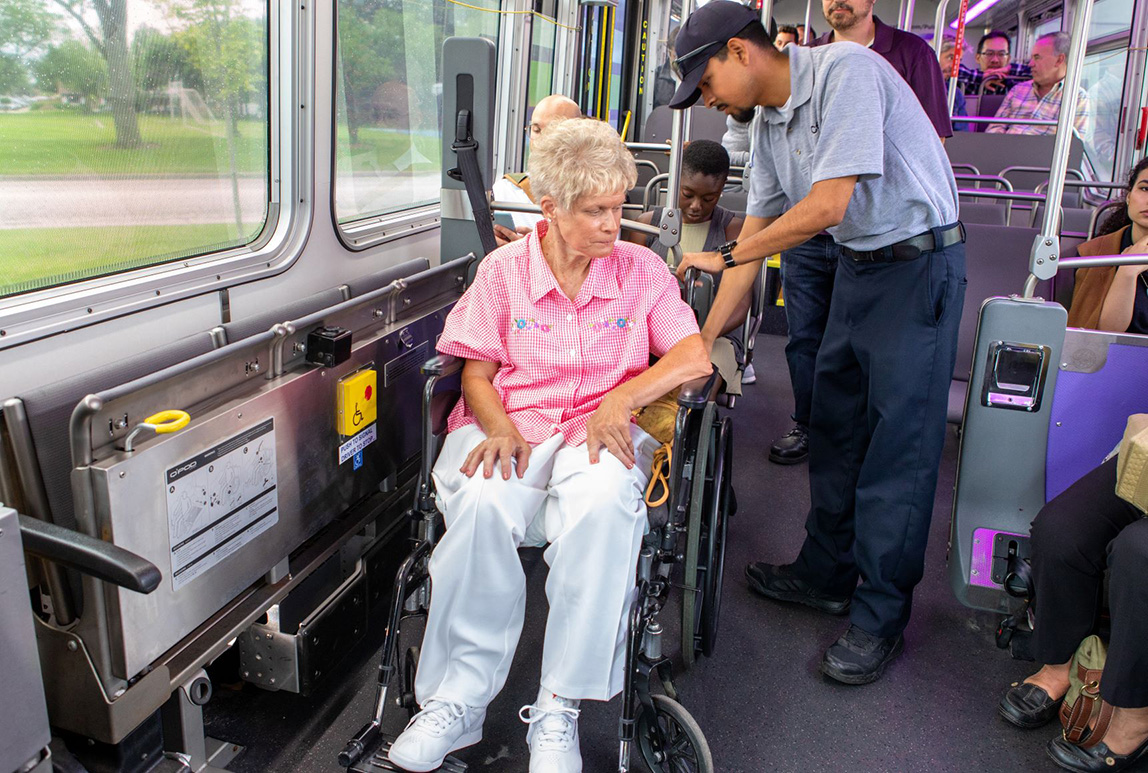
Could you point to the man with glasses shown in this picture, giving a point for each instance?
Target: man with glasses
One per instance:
(515, 188)
(1040, 98)
(995, 73)
(842, 145)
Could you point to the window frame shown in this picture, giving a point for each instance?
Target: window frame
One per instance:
(40, 313)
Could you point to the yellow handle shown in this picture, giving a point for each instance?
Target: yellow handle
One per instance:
(165, 422)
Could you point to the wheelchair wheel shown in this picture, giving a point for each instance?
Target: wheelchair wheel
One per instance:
(692, 597)
(713, 538)
(671, 741)
(407, 673)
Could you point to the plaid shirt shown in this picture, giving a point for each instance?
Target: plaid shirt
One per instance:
(970, 79)
(1022, 102)
(558, 358)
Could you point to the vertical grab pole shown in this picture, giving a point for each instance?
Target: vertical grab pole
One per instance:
(1046, 246)
(957, 51)
(939, 27)
(808, 14)
(671, 224)
(910, 7)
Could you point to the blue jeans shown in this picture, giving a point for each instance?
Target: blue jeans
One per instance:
(807, 273)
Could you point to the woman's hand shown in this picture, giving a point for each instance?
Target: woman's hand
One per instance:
(710, 262)
(1136, 248)
(498, 448)
(609, 427)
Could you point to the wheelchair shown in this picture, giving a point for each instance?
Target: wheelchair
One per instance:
(699, 503)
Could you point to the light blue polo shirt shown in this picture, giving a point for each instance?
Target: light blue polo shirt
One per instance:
(850, 113)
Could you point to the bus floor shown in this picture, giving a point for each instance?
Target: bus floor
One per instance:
(760, 699)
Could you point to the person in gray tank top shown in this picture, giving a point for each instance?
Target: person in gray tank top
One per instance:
(844, 146)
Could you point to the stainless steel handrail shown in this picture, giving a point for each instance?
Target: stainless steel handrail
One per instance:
(1007, 121)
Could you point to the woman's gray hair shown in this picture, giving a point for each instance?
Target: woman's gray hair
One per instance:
(576, 158)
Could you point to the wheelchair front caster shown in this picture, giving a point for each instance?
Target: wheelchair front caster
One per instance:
(671, 741)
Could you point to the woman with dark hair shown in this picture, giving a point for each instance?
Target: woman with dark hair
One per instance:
(1109, 297)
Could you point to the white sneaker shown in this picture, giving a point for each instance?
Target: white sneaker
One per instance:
(553, 734)
(439, 729)
(748, 376)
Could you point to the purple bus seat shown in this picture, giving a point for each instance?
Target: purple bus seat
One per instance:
(1103, 380)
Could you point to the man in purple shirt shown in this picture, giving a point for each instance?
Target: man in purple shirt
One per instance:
(807, 271)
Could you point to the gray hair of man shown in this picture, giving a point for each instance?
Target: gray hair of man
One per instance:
(571, 160)
(1061, 42)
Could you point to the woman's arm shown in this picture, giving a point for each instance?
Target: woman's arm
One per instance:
(609, 426)
(1116, 311)
(503, 440)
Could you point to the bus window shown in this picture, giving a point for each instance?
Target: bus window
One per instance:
(389, 100)
(129, 139)
(1103, 78)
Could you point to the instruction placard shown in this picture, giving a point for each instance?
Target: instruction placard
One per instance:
(356, 444)
(220, 500)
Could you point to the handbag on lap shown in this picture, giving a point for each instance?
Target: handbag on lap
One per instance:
(1132, 463)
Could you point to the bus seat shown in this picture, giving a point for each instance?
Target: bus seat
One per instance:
(986, 107)
(1101, 384)
(705, 124)
(239, 329)
(996, 263)
(1076, 220)
(993, 153)
(983, 212)
(49, 411)
(1064, 281)
(735, 200)
(379, 279)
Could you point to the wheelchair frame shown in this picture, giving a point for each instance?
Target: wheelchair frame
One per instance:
(656, 722)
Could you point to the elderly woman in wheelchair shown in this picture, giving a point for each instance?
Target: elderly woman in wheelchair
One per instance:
(557, 333)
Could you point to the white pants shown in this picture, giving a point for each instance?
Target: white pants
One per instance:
(593, 516)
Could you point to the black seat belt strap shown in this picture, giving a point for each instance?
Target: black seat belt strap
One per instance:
(466, 149)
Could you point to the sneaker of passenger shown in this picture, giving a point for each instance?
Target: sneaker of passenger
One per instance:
(553, 734)
(793, 448)
(781, 583)
(860, 657)
(439, 729)
(748, 376)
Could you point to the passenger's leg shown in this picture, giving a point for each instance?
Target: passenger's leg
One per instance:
(478, 589)
(906, 317)
(595, 520)
(807, 277)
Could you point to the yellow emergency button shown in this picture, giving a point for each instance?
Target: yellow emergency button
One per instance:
(357, 402)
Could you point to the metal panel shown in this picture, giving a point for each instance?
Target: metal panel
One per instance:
(1000, 473)
(24, 733)
(130, 489)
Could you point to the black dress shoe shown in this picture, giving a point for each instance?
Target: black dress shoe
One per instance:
(1099, 758)
(781, 584)
(1027, 706)
(791, 449)
(859, 657)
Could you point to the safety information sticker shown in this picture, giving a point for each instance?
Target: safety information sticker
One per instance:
(357, 443)
(220, 500)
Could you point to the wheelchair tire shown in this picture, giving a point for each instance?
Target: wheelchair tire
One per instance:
(713, 539)
(671, 740)
(407, 673)
(692, 595)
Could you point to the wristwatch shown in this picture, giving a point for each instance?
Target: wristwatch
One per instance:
(726, 251)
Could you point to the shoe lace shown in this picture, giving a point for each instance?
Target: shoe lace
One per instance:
(438, 716)
(862, 640)
(555, 725)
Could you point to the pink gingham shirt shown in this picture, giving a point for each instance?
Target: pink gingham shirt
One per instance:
(559, 357)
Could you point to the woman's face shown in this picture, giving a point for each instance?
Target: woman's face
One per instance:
(590, 228)
(698, 196)
(1137, 201)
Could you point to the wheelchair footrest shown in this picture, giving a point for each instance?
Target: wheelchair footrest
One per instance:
(378, 762)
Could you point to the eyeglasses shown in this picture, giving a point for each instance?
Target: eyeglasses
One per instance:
(689, 61)
(990, 52)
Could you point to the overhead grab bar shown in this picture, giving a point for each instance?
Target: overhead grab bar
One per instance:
(1042, 262)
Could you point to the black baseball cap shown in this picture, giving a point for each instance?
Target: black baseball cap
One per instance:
(704, 33)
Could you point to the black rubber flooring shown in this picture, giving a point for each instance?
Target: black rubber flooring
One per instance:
(760, 699)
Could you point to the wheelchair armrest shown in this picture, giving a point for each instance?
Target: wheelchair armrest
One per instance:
(92, 556)
(698, 392)
(442, 365)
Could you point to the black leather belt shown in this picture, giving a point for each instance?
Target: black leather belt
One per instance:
(911, 248)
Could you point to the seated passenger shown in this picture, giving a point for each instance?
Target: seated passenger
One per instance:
(786, 34)
(515, 188)
(557, 331)
(1040, 98)
(706, 225)
(960, 107)
(995, 73)
(1116, 298)
(1075, 537)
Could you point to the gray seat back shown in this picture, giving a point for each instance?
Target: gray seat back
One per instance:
(246, 327)
(993, 153)
(984, 213)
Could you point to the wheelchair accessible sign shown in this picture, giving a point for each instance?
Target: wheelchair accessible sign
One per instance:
(353, 448)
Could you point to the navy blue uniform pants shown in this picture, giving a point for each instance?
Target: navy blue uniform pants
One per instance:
(877, 429)
(807, 273)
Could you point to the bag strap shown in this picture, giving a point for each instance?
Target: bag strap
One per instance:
(465, 148)
(1087, 719)
(660, 475)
